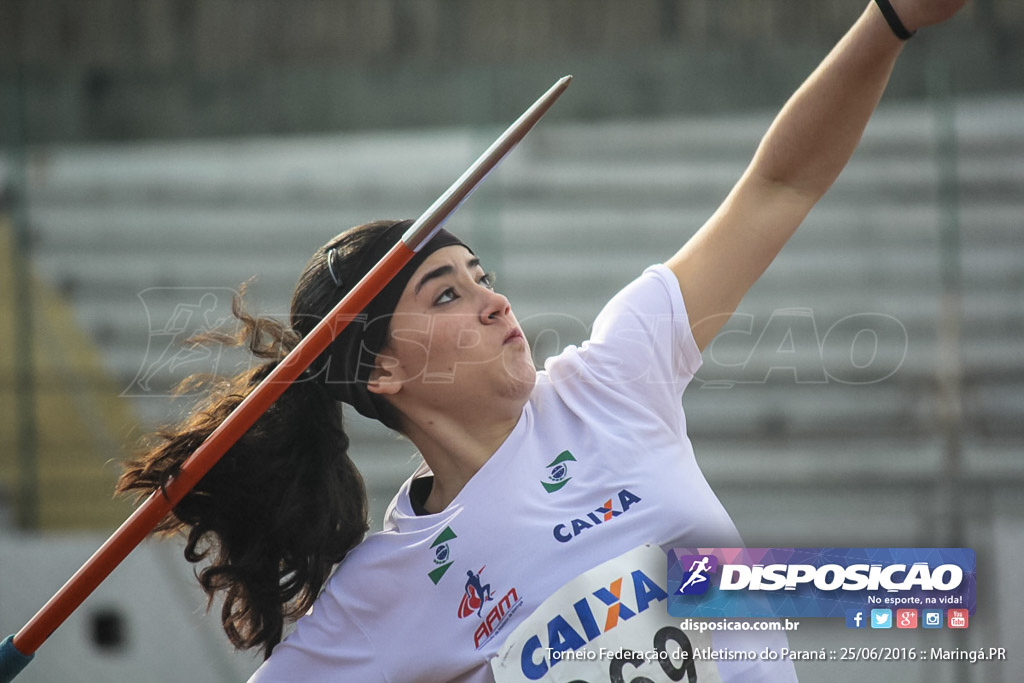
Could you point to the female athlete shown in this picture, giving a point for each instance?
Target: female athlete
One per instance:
(531, 533)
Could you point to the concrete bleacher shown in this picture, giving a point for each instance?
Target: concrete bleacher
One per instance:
(814, 430)
(131, 233)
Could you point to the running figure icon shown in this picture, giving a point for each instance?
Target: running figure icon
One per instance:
(697, 573)
(476, 592)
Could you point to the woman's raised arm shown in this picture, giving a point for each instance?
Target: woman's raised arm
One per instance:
(801, 155)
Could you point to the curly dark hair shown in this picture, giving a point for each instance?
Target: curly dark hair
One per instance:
(285, 504)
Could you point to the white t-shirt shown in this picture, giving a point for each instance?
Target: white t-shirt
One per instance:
(598, 465)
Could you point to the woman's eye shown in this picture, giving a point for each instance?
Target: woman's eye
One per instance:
(449, 294)
(446, 296)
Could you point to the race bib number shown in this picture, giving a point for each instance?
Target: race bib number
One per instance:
(608, 625)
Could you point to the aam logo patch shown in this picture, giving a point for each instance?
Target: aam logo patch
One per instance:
(493, 612)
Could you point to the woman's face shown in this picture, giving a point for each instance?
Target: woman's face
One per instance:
(454, 342)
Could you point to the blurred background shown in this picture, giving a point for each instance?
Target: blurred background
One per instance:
(155, 154)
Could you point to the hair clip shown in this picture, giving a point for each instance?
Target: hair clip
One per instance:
(331, 258)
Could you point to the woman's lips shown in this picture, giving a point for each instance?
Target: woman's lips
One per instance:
(513, 335)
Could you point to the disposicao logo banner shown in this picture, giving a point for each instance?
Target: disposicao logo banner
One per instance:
(816, 582)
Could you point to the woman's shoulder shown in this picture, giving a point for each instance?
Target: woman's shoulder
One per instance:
(642, 335)
(393, 547)
(654, 292)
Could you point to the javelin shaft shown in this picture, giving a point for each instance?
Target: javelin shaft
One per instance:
(159, 503)
(445, 205)
(135, 529)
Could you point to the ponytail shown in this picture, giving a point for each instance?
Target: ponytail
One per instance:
(279, 510)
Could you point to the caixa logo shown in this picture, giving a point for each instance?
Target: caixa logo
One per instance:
(612, 508)
(592, 615)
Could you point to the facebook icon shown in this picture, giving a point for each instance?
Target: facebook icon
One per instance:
(856, 618)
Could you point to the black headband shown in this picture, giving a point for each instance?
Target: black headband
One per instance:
(349, 361)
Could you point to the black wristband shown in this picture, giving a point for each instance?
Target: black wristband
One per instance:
(893, 20)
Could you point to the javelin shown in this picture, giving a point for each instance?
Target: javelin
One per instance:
(18, 650)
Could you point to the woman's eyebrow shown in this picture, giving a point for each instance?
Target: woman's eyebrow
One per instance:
(442, 271)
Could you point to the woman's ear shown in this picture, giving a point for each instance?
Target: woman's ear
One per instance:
(386, 378)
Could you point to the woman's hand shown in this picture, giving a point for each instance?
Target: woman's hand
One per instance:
(917, 14)
(803, 152)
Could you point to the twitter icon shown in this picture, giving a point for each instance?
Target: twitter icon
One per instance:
(881, 618)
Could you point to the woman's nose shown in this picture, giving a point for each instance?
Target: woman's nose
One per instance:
(497, 307)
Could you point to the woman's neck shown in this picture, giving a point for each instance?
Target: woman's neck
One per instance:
(455, 450)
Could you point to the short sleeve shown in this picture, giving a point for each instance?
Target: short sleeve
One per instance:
(641, 348)
(321, 650)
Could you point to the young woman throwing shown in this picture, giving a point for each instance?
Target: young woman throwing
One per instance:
(527, 536)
